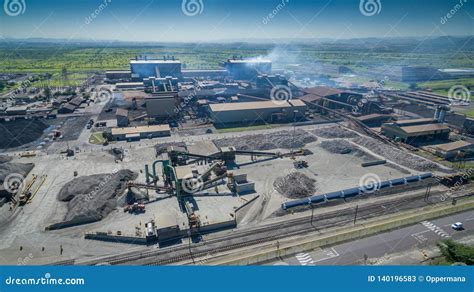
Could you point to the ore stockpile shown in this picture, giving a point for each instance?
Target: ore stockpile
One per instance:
(91, 198)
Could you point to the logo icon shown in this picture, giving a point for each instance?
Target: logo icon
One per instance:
(370, 7)
(103, 95)
(192, 185)
(192, 7)
(280, 94)
(14, 7)
(13, 183)
(459, 94)
(369, 183)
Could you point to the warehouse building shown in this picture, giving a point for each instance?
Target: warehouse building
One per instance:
(454, 150)
(141, 132)
(256, 112)
(162, 106)
(144, 68)
(416, 131)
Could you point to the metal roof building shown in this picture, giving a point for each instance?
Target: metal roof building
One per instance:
(257, 112)
(416, 131)
(136, 133)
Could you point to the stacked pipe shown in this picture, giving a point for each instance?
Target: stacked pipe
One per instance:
(353, 192)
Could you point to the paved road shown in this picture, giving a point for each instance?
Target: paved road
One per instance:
(422, 234)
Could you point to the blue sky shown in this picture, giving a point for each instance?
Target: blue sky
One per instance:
(164, 20)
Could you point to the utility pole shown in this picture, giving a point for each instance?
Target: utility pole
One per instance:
(428, 191)
(355, 215)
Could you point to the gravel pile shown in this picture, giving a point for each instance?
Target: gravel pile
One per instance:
(334, 132)
(399, 156)
(91, 198)
(19, 132)
(4, 158)
(295, 185)
(274, 140)
(337, 146)
(162, 148)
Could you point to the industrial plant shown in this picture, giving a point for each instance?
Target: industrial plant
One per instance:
(191, 165)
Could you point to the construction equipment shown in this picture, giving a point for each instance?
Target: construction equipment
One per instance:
(135, 208)
(26, 193)
(300, 164)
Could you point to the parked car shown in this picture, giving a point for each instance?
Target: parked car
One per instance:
(457, 226)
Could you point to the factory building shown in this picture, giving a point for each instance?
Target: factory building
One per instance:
(255, 112)
(144, 68)
(454, 150)
(264, 81)
(122, 117)
(374, 120)
(416, 131)
(247, 69)
(141, 132)
(117, 75)
(162, 105)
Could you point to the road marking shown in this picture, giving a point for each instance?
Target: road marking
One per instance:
(420, 238)
(435, 229)
(304, 259)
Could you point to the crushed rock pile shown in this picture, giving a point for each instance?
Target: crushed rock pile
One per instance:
(267, 141)
(337, 146)
(334, 132)
(399, 156)
(91, 198)
(295, 185)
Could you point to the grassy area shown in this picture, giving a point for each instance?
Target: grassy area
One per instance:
(97, 138)
(442, 86)
(242, 129)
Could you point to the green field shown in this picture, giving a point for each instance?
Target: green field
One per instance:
(442, 86)
(365, 57)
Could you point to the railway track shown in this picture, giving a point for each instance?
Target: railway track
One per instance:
(259, 235)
